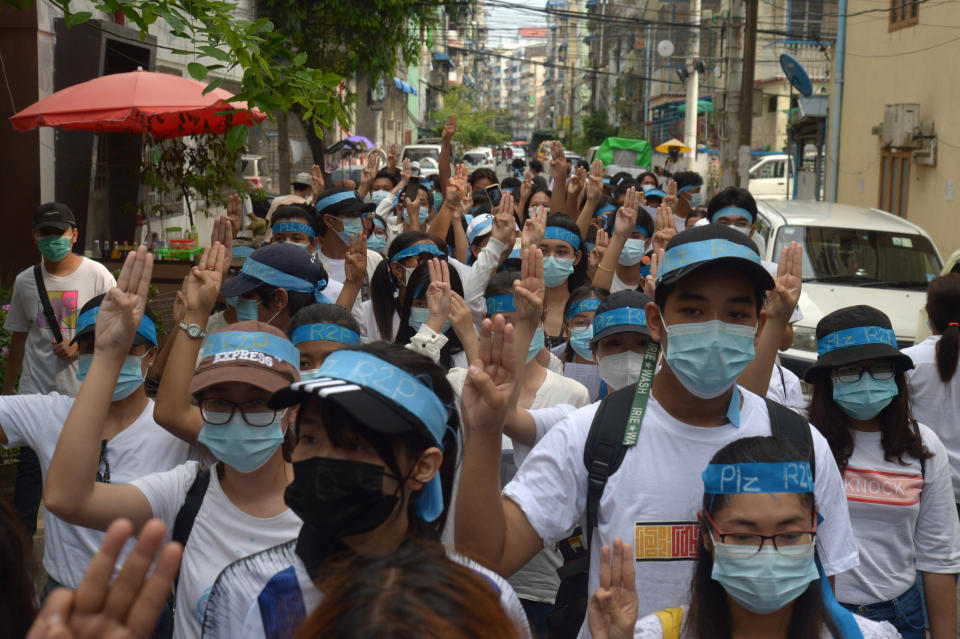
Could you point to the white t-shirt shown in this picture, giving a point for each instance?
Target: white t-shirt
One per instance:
(221, 534)
(785, 389)
(620, 285)
(935, 403)
(363, 313)
(654, 496)
(141, 448)
(903, 521)
(272, 590)
(649, 627)
(44, 372)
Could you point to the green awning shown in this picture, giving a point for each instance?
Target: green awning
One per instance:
(703, 106)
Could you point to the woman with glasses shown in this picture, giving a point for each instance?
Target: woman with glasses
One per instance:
(896, 475)
(755, 572)
(232, 509)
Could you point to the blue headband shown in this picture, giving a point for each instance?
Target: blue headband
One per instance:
(733, 210)
(500, 304)
(417, 249)
(404, 390)
(624, 315)
(147, 329)
(689, 187)
(336, 198)
(655, 193)
(270, 275)
(482, 227)
(242, 251)
(703, 251)
(294, 227)
(562, 234)
(752, 477)
(604, 209)
(226, 342)
(325, 332)
(856, 336)
(378, 222)
(581, 306)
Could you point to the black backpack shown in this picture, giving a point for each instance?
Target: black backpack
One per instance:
(602, 455)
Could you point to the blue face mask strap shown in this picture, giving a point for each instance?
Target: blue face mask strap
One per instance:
(147, 328)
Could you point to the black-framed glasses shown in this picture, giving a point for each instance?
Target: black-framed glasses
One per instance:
(217, 411)
(782, 542)
(850, 374)
(103, 477)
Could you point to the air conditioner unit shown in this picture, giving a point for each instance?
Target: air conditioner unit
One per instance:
(899, 123)
(926, 154)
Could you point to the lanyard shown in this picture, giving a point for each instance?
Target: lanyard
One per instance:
(642, 394)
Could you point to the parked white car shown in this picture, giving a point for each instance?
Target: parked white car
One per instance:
(481, 156)
(851, 255)
(768, 178)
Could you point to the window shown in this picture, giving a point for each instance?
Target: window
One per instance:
(894, 181)
(805, 22)
(904, 13)
(772, 169)
(772, 104)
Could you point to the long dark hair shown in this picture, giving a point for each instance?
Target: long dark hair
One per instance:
(943, 309)
(383, 288)
(17, 588)
(582, 293)
(417, 288)
(899, 432)
(709, 613)
(579, 275)
(339, 423)
(525, 213)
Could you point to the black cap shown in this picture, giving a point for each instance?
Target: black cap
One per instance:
(854, 344)
(54, 214)
(339, 202)
(286, 258)
(623, 299)
(710, 246)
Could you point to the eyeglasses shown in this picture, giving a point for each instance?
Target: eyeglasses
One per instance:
(782, 541)
(104, 477)
(851, 374)
(217, 412)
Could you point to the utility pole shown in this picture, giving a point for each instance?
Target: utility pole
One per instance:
(693, 88)
(730, 137)
(573, 48)
(746, 91)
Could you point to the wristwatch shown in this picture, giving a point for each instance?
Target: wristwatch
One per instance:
(192, 330)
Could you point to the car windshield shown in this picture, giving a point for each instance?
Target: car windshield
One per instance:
(474, 158)
(862, 257)
(420, 154)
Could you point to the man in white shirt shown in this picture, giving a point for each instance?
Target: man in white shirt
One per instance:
(45, 353)
(339, 211)
(707, 326)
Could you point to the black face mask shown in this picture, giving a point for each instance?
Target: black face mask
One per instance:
(337, 498)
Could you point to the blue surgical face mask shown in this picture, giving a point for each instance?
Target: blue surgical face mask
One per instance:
(633, 251)
(240, 445)
(647, 187)
(437, 199)
(556, 270)
(351, 226)
(580, 341)
(377, 243)
(304, 245)
(129, 380)
(766, 581)
(378, 196)
(418, 316)
(536, 344)
(864, 399)
(708, 357)
(696, 199)
(246, 308)
(421, 217)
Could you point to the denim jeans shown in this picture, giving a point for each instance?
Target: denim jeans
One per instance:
(905, 612)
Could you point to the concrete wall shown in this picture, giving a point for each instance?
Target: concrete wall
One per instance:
(909, 65)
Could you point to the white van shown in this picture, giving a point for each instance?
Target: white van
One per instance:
(851, 255)
(768, 178)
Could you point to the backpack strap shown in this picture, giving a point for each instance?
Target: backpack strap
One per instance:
(791, 427)
(52, 322)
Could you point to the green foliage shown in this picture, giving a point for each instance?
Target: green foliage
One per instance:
(475, 127)
(596, 128)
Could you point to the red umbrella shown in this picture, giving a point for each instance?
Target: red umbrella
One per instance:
(158, 104)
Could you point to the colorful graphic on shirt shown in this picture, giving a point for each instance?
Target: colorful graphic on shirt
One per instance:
(876, 487)
(666, 541)
(64, 305)
(201, 608)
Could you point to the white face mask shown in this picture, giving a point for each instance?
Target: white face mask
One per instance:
(620, 370)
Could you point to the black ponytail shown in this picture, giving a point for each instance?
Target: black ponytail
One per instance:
(943, 310)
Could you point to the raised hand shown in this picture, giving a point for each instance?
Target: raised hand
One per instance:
(223, 233)
(663, 228)
(529, 290)
(650, 281)
(369, 171)
(612, 612)
(457, 187)
(123, 306)
(534, 228)
(413, 211)
(526, 187)
(595, 182)
(558, 160)
(406, 172)
(504, 226)
(671, 199)
(450, 128)
(128, 608)
(465, 204)
(626, 219)
(575, 185)
(507, 204)
(355, 265)
(783, 298)
(599, 249)
(316, 181)
(202, 285)
(234, 214)
(438, 294)
(489, 389)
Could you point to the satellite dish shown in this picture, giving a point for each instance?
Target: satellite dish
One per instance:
(665, 48)
(797, 75)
